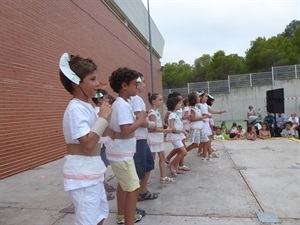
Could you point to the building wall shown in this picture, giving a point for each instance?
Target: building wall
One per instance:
(34, 34)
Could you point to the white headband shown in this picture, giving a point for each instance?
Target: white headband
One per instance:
(66, 70)
(139, 80)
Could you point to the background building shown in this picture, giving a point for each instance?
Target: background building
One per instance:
(34, 34)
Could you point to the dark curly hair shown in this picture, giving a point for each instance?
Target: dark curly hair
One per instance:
(172, 102)
(81, 67)
(121, 75)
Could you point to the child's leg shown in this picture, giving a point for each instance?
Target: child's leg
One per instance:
(130, 203)
(205, 149)
(200, 149)
(181, 153)
(171, 155)
(161, 163)
(191, 147)
(121, 199)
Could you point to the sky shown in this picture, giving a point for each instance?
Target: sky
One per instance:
(192, 28)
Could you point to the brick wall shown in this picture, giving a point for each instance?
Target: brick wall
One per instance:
(33, 35)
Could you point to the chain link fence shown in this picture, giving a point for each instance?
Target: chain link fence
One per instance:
(239, 81)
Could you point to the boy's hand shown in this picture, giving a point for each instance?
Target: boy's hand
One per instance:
(105, 110)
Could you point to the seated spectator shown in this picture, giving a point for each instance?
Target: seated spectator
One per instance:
(219, 135)
(239, 134)
(294, 120)
(288, 132)
(251, 133)
(264, 132)
(224, 128)
(280, 123)
(251, 115)
(233, 130)
(270, 121)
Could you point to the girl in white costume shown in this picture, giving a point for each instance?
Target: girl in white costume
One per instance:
(196, 121)
(83, 169)
(207, 151)
(156, 139)
(177, 135)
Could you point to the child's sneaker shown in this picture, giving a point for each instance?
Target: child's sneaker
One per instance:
(120, 218)
(203, 159)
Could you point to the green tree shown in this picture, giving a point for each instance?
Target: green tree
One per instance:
(176, 75)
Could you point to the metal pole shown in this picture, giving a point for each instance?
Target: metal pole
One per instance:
(150, 46)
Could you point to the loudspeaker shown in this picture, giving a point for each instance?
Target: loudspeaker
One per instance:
(275, 101)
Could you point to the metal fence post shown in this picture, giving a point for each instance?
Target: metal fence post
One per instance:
(296, 75)
(273, 82)
(207, 86)
(250, 79)
(188, 87)
(228, 84)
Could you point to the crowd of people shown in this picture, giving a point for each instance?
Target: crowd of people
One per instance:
(121, 133)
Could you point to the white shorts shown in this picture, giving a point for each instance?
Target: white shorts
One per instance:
(157, 147)
(90, 203)
(177, 144)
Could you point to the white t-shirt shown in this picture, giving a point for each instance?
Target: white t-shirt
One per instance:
(78, 119)
(79, 170)
(138, 105)
(204, 110)
(120, 149)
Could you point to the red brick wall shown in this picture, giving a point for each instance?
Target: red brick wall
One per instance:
(33, 35)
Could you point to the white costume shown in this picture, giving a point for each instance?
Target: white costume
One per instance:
(83, 175)
(196, 126)
(206, 126)
(121, 149)
(178, 125)
(156, 139)
(186, 122)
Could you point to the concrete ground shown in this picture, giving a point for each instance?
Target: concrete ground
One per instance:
(251, 183)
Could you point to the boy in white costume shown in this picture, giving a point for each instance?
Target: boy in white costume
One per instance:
(122, 145)
(83, 169)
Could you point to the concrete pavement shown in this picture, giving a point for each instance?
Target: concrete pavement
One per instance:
(251, 183)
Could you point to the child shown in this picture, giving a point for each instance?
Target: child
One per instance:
(219, 135)
(264, 132)
(288, 132)
(186, 115)
(251, 133)
(99, 99)
(196, 121)
(174, 151)
(239, 134)
(206, 110)
(156, 139)
(143, 159)
(224, 127)
(83, 169)
(177, 135)
(233, 130)
(121, 147)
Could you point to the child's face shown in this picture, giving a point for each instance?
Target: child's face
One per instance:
(204, 98)
(253, 129)
(132, 88)
(178, 106)
(264, 127)
(158, 101)
(198, 98)
(288, 126)
(90, 85)
(218, 131)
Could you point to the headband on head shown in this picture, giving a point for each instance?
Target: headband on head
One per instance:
(66, 70)
(139, 80)
(211, 97)
(200, 92)
(98, 95)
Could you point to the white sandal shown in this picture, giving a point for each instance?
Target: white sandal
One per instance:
(167, 180)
